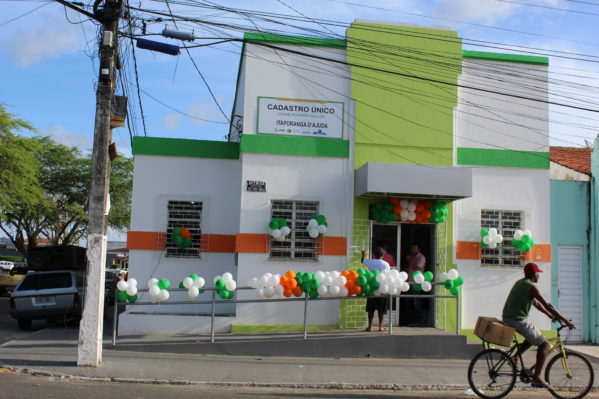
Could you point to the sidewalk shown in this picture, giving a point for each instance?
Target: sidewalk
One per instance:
(53, 352)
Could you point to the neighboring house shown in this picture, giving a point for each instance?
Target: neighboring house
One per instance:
(319, 127)
(573, 230)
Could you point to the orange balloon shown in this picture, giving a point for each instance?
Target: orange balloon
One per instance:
(292, 284)
(397, 209)
(283, 281)
(287, 292)
(394, 200)
(344, 273)
(427, 204)
(427, 214)
(419, 207)
(349, 284)
(184, 232)
(290, 274)
(357, 289)
(355, 274)
(297, 291)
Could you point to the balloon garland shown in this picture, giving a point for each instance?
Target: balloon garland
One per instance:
(490, 238)
(409, 210)
(278, 229)
(181, 237)
(523, 240)
(317, 226)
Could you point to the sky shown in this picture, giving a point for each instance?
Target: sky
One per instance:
(48, 59)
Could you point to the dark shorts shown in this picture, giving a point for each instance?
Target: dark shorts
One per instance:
(379, 304)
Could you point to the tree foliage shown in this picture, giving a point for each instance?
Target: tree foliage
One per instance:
(55, 206)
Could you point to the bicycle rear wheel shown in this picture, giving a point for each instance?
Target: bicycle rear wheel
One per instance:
(491, 374)
(575, 385)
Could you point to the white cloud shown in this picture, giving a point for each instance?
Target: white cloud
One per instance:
(206, 112)
(68, 138)
(52, 39)
(487, 11)
(171, 122)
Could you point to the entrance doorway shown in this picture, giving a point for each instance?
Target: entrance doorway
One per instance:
(397, 239)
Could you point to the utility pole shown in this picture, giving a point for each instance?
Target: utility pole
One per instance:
(91, 326)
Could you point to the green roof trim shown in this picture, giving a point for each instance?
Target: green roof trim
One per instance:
(502, 57)
(292, 145)
(185, 148)
(503, 158)
(294, 40)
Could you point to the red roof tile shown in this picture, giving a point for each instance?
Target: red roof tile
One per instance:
(576, 158)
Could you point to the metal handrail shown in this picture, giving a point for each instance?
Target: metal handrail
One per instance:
(305, 299)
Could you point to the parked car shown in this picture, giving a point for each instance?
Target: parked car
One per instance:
(51, 295)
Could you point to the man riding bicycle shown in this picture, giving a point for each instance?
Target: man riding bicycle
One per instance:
(523, 294)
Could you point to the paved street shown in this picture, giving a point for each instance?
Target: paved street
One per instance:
(8, 326)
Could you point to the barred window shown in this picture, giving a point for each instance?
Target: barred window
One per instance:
(298, 245)
(506, 222)
(187, 214)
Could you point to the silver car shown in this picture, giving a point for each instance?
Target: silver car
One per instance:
(51, 295)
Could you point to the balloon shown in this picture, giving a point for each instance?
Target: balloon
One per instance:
(285, 230)
(455, 291)
(452, 274)
(428, 276)
(405, 287)
(417, 287)
(322, 290)
(518, 234)
(132, 282)
(319, 275)
(121, 296)
(498, 238)
(381, 278)
(404, 213)
(152, 281)
(187, 282)
(276, 233)
(260, 293)
(231, 285)
(493, 245)
(419, 278)
(132, 298)
(163, 295)
(322, 229)
(484, 232)
(412, 207)
(426, 286)
(526, 233)
(193, 292)
(487, 240)
(449, 284)
(335, 290)
(297, 291)
(220, 284)
(227, 277)
(313, 233)
(154, 290)
(131, 290)
(443, 276)
(412, 216)
(279, 290)
(493, 231)
(458, 281)
(199, 282)
(164, 284)
(403, 276)
(122, 285)
(404, 203)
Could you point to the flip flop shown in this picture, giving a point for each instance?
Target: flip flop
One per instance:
(540, 385)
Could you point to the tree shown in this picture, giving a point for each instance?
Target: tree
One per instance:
(63, 178)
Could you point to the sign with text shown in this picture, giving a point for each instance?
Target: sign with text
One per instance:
(291, 117)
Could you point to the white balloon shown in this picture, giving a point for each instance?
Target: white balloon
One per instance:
(341, 280)
(274, 280)
(381, 277)
(452, 274)
(264, 280)
(394, 291)
(487, 240)
(344, 291)
(527, 233)
(419, 278)
(492, 231)
(328, 280)
(279, 289)
(319, 275)
(518, 234)
(260, 293)
(498, 238)
(269, 291)
(132, 282)
(335, 290)
(164, 295)
(404, 203)
(443, 276)
(276, 233)
(193, 292)
(253, 282)
(426, 286)
(322, 229)
(131, 290)
(285, 230)
(199, 282)
(322, 290)
(403, 276)
(405, 287)
(187, 282)
(412, 216)
(231, 285)
(384, 288)
(216, 279)
(493, 245)
(412, 207)
(152, 281)
(313, 233)
(404, 213)
(377, 292)
(336, 274)
(122, 285)
(227, 277)
(154, 290)
(268, 274)
(312, 223)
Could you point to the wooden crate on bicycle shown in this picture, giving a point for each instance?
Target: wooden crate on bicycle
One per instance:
(491, 330)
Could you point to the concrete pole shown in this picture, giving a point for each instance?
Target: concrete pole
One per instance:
(91, 326)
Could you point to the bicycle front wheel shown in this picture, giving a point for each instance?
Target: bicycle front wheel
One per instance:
(491, 374)
(571, 376)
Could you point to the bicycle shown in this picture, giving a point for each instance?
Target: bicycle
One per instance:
(492, 372)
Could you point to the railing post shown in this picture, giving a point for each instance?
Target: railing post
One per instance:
(457, 313)
(115, 317)
(306, 316)
(390, 311)
(212, 313)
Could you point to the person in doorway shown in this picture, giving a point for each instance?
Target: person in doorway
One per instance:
(522, 296)
(378, 304)
(416, 262)
(387, 257)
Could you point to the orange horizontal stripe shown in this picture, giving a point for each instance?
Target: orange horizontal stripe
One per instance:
(467, 250)
(251, 243)
(219, 242)
(150, 240)
(336, 246)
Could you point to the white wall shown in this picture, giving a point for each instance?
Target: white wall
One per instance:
(527, 190)
(488, 120)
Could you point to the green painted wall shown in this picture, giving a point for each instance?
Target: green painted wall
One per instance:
(400, 119)
(503, 158)
(594, 245)
(569, 225)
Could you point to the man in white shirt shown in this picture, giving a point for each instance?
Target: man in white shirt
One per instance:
(378, 304)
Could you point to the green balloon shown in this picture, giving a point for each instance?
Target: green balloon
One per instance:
(368, 288)
(315, 283)
(273, 225)
(428, 276)
(375, 285)
(164, 284)
(121, 296)
(449, 284)
(417, 287)
(185, 242)
(181, 285)
(193, 276)
(202, 291)
(455, 290)
(525, 239)
(361, 272)
(484, 244)
(132, 298)
(484, 232)
(313, 294)
(416, 273)
(362, 280)
(458, 281)
(220, 284)
(176, 231)
(178, 240)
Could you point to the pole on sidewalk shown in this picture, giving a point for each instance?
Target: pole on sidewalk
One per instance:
(390, 317)
(115, 317)
(212, 314)
(91, 327)
(457, 314)
(306, 315)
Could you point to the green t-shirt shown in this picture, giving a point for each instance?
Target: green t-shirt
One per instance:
(519, 300)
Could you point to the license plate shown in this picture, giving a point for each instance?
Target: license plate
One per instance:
(44, 300)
